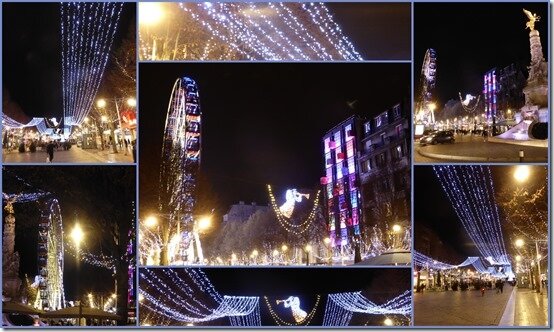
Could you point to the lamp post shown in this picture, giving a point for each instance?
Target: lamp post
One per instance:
(396, 229)
(200, 225)
(308, 249)
(77, 236)
(520, 243)
(102, 103)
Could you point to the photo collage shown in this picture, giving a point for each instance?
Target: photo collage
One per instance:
(269, 164)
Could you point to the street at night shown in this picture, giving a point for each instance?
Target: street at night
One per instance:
(483, 261)
(68, 243)
(68, 85)
(474, 102)
(284, 164)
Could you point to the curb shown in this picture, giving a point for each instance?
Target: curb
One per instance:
(470, 158)
(508, 318)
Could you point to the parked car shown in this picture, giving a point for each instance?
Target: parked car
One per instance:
(443, 136)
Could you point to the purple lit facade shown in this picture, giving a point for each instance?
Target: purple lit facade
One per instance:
(341, 182)
(489, 92)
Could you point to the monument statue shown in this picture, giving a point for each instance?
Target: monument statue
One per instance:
(10, 263)
(532, 19)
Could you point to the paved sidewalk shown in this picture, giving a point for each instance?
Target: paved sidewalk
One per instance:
(531, 308)
(74, 155)
(460, 308)
(473, 148)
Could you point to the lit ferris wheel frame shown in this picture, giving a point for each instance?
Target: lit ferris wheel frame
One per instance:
(180, 156)
(50, 257)
(425, 112)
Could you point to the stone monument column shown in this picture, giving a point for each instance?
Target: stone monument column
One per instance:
(10, 264)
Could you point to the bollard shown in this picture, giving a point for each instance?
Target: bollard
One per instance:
(521, 155)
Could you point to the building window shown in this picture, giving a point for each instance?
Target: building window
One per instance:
(367, 127)
(380, 159)
(398, 151)
(399, 130)
(383, 138)
(366, 166)
(396, 111)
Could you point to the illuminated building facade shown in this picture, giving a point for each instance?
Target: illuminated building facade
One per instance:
(385, 168)
(489, 92)
(341, 182)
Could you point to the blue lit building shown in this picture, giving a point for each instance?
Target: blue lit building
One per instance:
(341, 182)
(489, 92)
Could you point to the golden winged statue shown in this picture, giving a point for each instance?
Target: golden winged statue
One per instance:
(532, 19)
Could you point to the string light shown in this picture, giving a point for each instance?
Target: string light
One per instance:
(341, 306)
(87, 32)
(285, 222)
(300, 322)
(471, 193)
(264, 31)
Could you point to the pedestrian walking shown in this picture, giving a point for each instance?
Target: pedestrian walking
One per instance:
(482, 290)
(501, 285)
(50, 152)
(126, 146)
(485, 134)
(134, 151)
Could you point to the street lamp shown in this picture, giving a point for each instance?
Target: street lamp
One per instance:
(151, 221)
(150, 13)
(131, 102)
(308, 249)
(388, 322)
(77, 235)
(520, 243)
(521, 173)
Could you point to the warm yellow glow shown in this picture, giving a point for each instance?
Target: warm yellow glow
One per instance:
(519, 243)
(151, 221)
(204, 223)
(388, 322)
(234, 257)
(146, 324)
(521, 173)
(326, 240)
(89, 294)
(396, 228)
(104, 118)
(86, 119)
(150, 13)
(308, 248)
(132, 102)
(284, 247)
(275, 252)
(255, 253)
(539, 256)
(190, 324)
(77, 234)
(518, 258)
(532, 263)
(141, 297)
(432, 106)
(101, 103)
(114, 296)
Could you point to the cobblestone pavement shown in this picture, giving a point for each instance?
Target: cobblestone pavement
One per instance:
(460, 308)
(531, 308)
(74, 155)
(469, 148)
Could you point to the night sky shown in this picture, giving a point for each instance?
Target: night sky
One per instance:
(470, 39)
(32, 56)
(379, 285)
(379, 31)
(95, 196)
(433, 209)
(262, 123)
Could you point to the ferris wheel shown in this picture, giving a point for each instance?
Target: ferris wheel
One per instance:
(181, 155)
(425, 111)
(50, 257)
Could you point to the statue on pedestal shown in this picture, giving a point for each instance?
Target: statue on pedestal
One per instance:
(10, 259)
